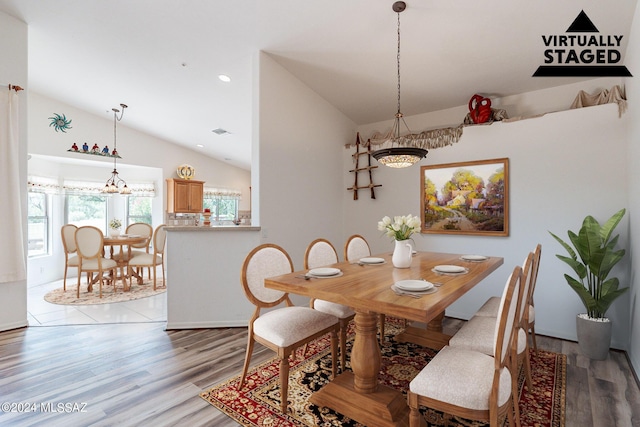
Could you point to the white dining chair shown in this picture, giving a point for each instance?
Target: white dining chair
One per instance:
(478, 332)
(68, 232)
(283, 329)
(151, 260)
(320, 253)
(468, 383)
(490, 307)
(89, 242)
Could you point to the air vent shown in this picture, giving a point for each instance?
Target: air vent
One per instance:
(221, 131)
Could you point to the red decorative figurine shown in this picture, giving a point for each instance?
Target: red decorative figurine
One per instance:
(479, 109)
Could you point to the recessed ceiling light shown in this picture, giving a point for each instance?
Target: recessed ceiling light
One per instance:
(220, 131)
(199, 145)
(224, 78)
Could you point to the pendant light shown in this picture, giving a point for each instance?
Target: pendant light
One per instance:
(115, 184)
(399, 156)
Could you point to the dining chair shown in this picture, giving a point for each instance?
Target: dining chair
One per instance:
(357, 247)
(471, 384)
(490, 307)
(68, 232)
(320, 253)
(153, 260)
(478, 332)
(89, 242)
(140, 229)
(283, 329)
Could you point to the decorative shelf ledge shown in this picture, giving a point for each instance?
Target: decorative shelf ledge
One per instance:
(94, 153)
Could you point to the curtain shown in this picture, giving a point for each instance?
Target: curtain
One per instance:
(12, 251)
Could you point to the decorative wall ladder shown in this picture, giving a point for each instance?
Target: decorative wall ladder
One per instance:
(359, 169)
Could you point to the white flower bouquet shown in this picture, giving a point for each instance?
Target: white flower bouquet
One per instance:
(401, 228)
(115, 224)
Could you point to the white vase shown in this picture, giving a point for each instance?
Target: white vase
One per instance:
(114, 232)
(402, 254)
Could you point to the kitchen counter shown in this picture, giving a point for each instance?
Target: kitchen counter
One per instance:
(203, 275)
(201, 228)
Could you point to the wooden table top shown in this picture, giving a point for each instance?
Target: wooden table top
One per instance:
(368, 287)
(124, 239)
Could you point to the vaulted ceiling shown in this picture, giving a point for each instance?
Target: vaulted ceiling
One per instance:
(162, 57)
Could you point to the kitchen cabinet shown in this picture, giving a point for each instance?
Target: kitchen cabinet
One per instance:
(184, 195)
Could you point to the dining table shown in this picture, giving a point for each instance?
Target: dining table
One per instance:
(367, 288)
(124, 241)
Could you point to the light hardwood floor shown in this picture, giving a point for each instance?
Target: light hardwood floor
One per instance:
(138, 374)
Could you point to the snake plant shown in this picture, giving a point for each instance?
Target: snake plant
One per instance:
(597, 256)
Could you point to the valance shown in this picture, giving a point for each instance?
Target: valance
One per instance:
(222, 193)
(95, 188)
(43, 184)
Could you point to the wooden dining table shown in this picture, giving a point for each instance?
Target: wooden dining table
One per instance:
(367, 289)
(124, 241)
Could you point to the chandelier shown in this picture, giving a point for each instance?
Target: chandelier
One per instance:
(399, 156)
(115, 184)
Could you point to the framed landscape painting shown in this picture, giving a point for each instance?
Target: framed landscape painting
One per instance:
(466, 198)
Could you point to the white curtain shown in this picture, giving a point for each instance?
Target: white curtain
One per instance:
(12, 258)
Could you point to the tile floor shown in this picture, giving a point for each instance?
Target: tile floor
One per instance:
(43, 313)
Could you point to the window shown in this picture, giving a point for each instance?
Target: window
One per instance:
(139, 210)
(38, 224)
(223, 203)
(83, 209)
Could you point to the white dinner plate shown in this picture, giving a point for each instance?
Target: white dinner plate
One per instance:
(474, 257)
(414, 285)
(449, 269)
(324, 271)
(371, 260)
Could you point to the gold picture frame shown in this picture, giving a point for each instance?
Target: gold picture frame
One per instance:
(465, 198)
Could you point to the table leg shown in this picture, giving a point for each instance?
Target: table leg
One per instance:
(357, 394)
(431, 337)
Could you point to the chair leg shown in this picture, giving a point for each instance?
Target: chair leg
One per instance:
(532, 334)
(154, 277)
(78, 287)
(344, 324)
(284, 383)
(334, 353)
(514, 393)
(382, 318)
(64, 279)
(527, 368)
(247, 360)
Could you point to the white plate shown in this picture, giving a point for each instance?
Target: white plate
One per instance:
(324, 271)
(414, 285)
(474, 257)
(449, 269)
(372, 260)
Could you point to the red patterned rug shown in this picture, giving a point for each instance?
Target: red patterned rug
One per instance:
(258, 403)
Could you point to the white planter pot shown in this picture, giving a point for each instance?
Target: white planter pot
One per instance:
(594, 336)
(114, 232)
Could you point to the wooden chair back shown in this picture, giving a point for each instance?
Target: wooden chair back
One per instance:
(68, 232)
(141, 229)
(160, 239)
(89, 242)
(355, 248)
(266, 260)
(319, 253)
(506, 319)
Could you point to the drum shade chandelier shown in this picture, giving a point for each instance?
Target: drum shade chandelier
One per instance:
(398, 156)
(115, 184)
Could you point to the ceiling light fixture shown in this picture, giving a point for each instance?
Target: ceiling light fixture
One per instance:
(115, 184)
(399, 156)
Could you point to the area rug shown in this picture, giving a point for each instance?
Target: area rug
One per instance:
(258, 403)
(68, 297)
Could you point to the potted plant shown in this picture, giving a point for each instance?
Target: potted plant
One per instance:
(592, 257)
(114, 227)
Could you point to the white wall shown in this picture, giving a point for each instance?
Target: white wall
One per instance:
(632, 61)
(301, 143)
(553, 185)
(13, 70)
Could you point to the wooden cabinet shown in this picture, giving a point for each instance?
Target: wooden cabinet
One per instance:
(184, 195)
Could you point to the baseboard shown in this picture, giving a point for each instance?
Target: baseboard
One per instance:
(15, 325)
(206, 325)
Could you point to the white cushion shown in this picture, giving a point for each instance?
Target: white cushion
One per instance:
(144, 259)
(461, 377)
(489, 308)
(72, 261)
(107, 264)
(532, 313)
(478, 334)
(338, 310)
(286, 326)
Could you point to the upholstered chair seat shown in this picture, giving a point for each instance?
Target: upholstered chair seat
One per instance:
(276, 326)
